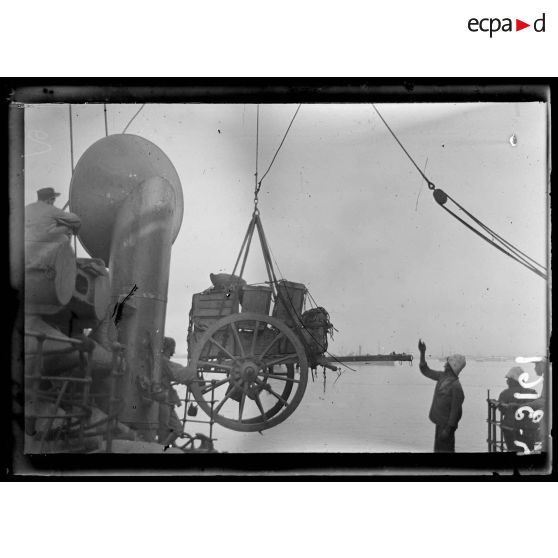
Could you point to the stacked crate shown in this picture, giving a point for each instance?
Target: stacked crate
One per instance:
(207, 308)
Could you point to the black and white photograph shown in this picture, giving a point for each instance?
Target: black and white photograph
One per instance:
(288, 276)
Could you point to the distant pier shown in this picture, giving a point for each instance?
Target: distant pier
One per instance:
(393, 357)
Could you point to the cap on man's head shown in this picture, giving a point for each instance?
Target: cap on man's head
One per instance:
(457, 363)
(46, 194)
(514, 373)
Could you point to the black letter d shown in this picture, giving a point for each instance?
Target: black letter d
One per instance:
(536, 22)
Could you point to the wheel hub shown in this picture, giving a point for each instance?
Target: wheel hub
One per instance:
(243, 378)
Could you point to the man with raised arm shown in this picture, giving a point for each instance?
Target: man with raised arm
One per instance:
(447, 403)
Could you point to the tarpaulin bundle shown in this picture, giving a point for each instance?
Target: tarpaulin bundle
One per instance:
(317, 327)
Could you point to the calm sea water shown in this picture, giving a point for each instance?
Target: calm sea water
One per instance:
(372, 409)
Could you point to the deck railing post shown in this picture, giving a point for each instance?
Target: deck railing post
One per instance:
(488, 421)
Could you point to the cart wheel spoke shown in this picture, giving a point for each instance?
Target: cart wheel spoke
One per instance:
(260, 406)
(237, 339)
(269, 389)
(255, 338)
(217, 344)
(241, 406)
(222, 402)
(282, 377)
(212, 386)
(275, 339)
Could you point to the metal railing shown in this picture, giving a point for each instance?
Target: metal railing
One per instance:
(69, 391)
(206, 442)
(496, 440)
(495, 437)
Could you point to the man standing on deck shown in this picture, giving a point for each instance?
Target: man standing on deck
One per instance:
(447, 403)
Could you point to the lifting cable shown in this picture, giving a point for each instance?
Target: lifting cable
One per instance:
(256, 189)
(71, 139)
(71, 150)
(488, 234)
(106, 123)
(299, 318)
(283, 296)
(133, 118)
(71, 165)
(256, 224)
(259, 183)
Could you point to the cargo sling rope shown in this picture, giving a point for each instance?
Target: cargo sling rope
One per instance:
(277, 294)
(486, 233)
(331, 328)
(256, 224)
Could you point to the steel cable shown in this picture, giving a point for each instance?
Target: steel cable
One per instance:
(508, 248)
(133, 118)
(278, 149)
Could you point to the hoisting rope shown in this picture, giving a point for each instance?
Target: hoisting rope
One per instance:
(255, 223)
(283, 296)
(71, 140)
(299, 318)
(106, 123)
(71, 165)
(259, 183)
(441, 198)
(133, 118)
(256, 189)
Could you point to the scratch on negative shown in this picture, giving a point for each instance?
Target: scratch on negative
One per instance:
(119, 306)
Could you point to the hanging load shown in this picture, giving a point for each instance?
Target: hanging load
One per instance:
(252, 345)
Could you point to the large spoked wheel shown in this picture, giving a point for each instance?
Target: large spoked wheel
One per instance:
(252, 372)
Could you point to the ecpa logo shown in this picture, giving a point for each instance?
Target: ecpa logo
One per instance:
(492, 25)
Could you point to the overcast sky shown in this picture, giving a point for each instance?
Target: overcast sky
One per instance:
(345, 212)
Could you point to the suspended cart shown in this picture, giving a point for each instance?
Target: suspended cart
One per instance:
(251, 346)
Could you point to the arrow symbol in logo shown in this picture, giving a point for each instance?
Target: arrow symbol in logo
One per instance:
(519, 25)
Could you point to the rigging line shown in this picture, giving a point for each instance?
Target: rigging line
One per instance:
(256, 189)
(106, 123)
(133, 118)
(71, 139)
(420, 189)
(430, 184)
(280, 145)
(288, 297)
(493, 233)
(249, 231)
(528, 266)
(71, 149)
(300, 318)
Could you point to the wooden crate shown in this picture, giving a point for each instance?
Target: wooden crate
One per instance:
(293, 293)
(214, 305)
(207, 308)
(256, 299)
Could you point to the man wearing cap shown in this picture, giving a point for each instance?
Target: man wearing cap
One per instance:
(447, 403)
(46, 223)
(509, 401)
(170, 426)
